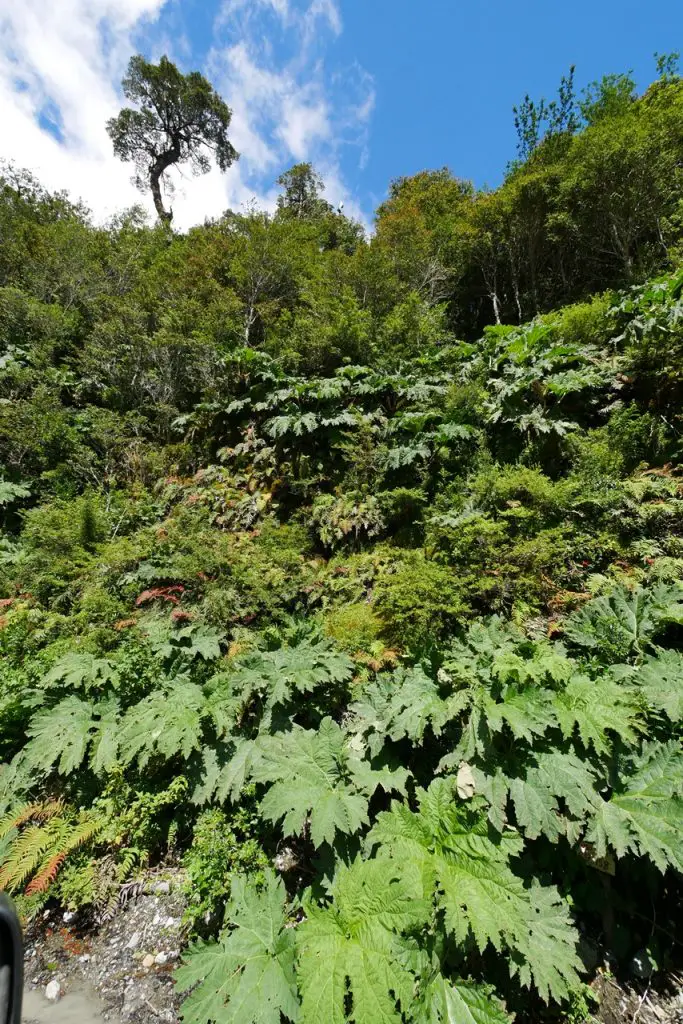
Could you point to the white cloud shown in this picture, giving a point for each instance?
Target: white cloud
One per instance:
(295, 114)
(325, 10)
(61, 62)
(293, 106)
(302, 125)
(66, 56)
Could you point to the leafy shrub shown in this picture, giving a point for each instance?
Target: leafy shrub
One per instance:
(221, 847)
(350, 517)
(354, 627)
(419, 601)
(248, 585)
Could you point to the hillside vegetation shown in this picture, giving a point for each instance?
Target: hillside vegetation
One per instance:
(347, 573)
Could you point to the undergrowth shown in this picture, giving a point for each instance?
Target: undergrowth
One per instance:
(388, 658)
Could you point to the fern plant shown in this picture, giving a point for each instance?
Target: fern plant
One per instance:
(38, 839)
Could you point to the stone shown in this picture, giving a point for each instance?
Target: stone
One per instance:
(162, 887)
(148, 961)
(641, 965)
(133, 941)
(160, 959)
(171, 922)
(53, 990)
(67, 916)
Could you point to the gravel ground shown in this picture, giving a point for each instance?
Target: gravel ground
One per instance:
(120, 973)
(659, 1002)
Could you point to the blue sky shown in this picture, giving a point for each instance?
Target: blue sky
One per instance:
(366, 89)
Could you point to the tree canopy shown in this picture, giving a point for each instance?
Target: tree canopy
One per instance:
(177, 119)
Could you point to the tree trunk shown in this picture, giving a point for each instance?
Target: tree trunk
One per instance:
(160, 165)
(496, 306)
(249, 321)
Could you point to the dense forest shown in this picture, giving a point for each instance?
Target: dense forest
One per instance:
(345, 572)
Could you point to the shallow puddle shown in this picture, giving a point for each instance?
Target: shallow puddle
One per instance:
(78, 1006)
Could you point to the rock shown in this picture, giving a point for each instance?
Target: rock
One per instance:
(133, 941)
(160, 959)
(162, 887)
(285, 860)
(641, 965)
(53, 991)
(171, 922)
(148, 961)
(67, 916)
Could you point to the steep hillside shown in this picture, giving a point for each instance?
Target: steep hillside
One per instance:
(374, 630)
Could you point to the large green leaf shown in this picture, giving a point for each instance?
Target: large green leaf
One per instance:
(81, 669)
(596, 708)
(247, 977)
(310, 777)
(354, 964)
(645, 815)
(459, 1002)
(276, 676)
(167, 723)
(623, 623)
(62, 736)
(661, 682)
(547, 779)
(468, 872)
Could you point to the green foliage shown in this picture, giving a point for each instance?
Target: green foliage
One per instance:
(221, 848)
(315, 778)
(420, 601)
(249, 974)
(372, 544)
(167, 723)
(468, 873)
(462, 1002)
(355, 948)
(62, 736)
(645, 812)
(355, 627)
(622, 625)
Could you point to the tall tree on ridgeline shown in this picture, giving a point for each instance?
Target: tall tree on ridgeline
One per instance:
(302, 193)
(180, 119)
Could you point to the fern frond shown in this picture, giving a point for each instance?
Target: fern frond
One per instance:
(47, 874)
(25, 856)
(39, 810)
(129, 857)
(41, 848)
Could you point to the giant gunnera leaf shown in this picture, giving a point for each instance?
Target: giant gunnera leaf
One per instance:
(247, 977)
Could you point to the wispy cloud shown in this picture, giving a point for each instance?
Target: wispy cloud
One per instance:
(58, 64)
(61, 65)
(320, 10)
(286, 96)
